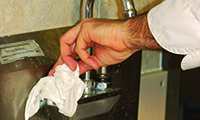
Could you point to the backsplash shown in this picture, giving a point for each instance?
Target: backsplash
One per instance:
(21, 16)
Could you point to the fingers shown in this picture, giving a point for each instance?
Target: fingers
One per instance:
(85, 56)
(83, 43)
(59, 62)
(79, 35)
(83, 67)
(67, 42)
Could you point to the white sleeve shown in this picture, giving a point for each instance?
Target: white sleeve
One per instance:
(175, 24)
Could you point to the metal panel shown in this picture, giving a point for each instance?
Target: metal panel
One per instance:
(152, 97)
(14, 90)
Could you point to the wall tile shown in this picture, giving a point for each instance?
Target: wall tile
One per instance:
(19, 16)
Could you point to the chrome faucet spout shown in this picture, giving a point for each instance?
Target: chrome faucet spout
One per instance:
(89, 8)
(87, 12)
(128, 9)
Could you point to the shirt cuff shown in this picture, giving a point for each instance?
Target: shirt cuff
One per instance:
(175, 24)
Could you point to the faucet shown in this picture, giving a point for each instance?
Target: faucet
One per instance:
(87, 12)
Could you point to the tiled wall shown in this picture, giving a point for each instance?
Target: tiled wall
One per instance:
(21, 16)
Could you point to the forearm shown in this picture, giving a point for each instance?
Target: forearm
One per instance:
(139, 33)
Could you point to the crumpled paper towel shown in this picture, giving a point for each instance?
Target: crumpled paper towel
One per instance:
(65, 88)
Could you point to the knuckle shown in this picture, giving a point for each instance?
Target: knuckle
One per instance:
(87, 21)
(61, 39)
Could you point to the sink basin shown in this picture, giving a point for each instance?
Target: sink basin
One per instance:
(98, 103)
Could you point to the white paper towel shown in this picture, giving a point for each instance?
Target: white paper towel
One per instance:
(65, 88)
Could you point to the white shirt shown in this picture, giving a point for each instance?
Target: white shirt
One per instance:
(175, 24)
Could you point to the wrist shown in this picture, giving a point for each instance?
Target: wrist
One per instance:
(139, 35)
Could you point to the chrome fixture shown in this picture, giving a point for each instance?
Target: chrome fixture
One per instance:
(87, 8)
(103, 80)
(128, 9)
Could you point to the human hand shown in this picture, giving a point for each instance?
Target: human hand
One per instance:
(113, 42)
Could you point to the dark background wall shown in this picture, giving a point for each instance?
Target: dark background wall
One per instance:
(183, 94)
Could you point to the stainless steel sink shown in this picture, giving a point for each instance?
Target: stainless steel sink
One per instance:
(102, 101)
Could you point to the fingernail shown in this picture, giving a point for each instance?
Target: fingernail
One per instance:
(51, 72)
